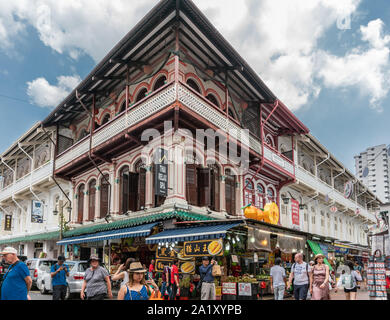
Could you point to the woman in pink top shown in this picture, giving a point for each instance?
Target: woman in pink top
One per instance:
(320, 278)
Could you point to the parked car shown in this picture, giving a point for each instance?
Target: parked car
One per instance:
(75, 280)
(38, 267)
(4, 266)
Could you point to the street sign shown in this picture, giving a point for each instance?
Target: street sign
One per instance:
(348, 189)
(8, 223)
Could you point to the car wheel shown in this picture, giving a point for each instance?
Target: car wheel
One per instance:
(42, 289)
(68, 294)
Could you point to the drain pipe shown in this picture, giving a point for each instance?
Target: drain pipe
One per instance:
(90, 147)
(53, 169)
(31, 173)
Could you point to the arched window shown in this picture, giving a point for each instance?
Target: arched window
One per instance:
(104, 196)
(260, 193)
(230, 192)
(91, 200)
(212, 99)
(106, 119)
(270, 194)
(249, 192)
(191, 83)
(133, 188)
(80, 204)
(141, 94)
(123, 107)
(159, 83)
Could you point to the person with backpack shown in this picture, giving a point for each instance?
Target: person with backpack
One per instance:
(349, 280)
(59, 272)
(300, 277)
(17, 281)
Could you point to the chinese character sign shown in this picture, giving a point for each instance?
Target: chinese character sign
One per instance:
(203, 248)
(161, 176)
(295, 212)
(37, 212)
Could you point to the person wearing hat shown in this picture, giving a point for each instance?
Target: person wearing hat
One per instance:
(319, 288)
(97, 281)
(59, 272)
(137, 288)
(17, 281)
(207, 279)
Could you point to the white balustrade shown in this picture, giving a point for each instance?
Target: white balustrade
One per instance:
(317, 184)
(23, 183)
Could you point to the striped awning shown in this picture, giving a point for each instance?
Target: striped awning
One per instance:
(138, 231)
(214, 231)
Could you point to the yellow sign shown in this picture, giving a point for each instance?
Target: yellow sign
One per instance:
(271, 213)
(203, 248)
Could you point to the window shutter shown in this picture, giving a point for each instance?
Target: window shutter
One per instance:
(216, 192)
(133, 191)
(141, 189)
(104, 197)
(80, 204)
(192, 184)
(204, 187)
(124, 191)
(230, 195)
(92, 198)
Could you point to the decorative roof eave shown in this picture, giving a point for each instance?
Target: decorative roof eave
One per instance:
(125, 223)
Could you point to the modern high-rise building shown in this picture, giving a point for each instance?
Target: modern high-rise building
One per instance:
(372, 169)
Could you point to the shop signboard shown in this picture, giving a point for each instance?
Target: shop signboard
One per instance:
(8, 222)
(324, 249)
(161, 182)
(185, 267)
(203, 248)
(229, 288)
(341, 250)
(295, 212)
(160, 263)
(36, 211)
(167, 253)
(245, 289)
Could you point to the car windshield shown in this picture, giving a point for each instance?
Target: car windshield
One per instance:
(46, 265)
(31, 264)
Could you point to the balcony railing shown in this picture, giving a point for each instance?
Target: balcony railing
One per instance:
(323, 188)
(23, 183)
(155, 102)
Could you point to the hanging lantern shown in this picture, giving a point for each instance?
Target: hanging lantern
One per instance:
(244, 105)
(72, 127)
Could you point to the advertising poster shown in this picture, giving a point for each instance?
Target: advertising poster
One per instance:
(37, 212)
(245, 289)
(229, 288)
(295, 212)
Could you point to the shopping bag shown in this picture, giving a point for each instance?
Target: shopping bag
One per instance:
(156, 295)
(216, 272)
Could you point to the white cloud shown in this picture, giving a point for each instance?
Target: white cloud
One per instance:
(45, 95)
(367, 69)
(279, 38)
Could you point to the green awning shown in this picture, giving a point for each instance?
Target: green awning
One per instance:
(315, 247)
(125, 223)
(36, 237)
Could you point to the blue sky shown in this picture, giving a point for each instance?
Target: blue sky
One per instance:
(321, 77)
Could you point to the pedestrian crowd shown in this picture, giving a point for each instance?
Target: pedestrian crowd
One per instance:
(313, 280)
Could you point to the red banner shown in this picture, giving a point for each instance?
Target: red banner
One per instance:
(295, 212)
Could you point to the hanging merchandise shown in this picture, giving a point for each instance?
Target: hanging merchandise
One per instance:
(376, 276)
